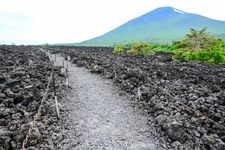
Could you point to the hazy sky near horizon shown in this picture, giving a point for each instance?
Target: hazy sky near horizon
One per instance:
(70, 21)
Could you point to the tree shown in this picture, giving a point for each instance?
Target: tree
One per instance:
(200, 46)
(196, 40)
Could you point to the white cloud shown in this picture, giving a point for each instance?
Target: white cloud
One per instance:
(58, 21)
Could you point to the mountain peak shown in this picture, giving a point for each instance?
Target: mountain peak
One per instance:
(162, 25)
(160, 13)
(167, 9)
(178, 11)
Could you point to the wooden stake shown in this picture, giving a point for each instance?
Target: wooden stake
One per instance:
(139, 93)
(56, 101)
(67, 82)
(57, 107)
(67, 68)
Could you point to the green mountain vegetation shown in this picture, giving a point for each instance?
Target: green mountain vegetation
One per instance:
(197, 45)
(162, 25)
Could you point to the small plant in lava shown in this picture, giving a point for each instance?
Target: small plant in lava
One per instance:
(119, 49)
(142, 48)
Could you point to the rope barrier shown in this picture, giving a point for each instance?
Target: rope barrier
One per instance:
(36, 116)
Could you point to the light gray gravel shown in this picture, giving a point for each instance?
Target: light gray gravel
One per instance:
(101, 119)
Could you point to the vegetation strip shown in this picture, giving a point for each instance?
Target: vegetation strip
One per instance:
(196, 46)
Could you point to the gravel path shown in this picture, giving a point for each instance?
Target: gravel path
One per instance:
(99, 118)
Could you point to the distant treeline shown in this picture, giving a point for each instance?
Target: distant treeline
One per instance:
(197, 45)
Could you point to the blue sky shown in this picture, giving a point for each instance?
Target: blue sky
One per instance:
(65, 21)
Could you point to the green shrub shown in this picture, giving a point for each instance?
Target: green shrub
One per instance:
(139, 48)
(145, 51)
(118, 49)
(200, 46)
(217, 44)
(190, 56)
(132, 51)
(180, 55)
(202, 55)
(216, 57)
(161, 47)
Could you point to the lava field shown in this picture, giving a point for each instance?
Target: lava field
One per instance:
(185, 99)
(24, 75)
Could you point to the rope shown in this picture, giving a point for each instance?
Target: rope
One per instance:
(38, 113)
(36, 116)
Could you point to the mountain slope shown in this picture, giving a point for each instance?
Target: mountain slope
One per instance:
(161, 25)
